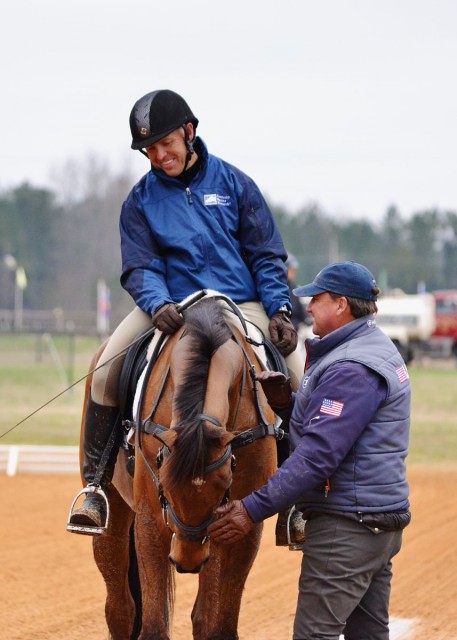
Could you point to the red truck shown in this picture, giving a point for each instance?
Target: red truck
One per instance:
(444, 339)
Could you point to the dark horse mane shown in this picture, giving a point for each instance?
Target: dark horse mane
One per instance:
(206, 324)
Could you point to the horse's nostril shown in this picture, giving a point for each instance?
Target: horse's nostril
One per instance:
(180, 569)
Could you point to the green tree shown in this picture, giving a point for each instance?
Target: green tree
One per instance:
(30, 219)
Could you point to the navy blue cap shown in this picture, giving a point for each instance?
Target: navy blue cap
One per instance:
(343, 278)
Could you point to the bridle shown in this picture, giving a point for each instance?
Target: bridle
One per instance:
(186, 532)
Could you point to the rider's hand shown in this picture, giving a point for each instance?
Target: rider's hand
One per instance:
(276, 387)
(283, 333)
(167, 319)
(233, 523)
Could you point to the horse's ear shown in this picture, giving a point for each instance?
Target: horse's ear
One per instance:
(168, 438)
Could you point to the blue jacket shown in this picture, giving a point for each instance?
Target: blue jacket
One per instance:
(349, 429)
(218, 233)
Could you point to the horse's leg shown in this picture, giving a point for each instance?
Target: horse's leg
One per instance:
(111, 553)
(217, 606)
(156, 573)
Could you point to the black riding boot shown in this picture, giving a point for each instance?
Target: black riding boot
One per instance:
(102, 424)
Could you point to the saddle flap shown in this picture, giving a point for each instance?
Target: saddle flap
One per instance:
(134, 364)
(275, 360)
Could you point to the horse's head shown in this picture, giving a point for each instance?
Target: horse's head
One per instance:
(208, 395)
(195, 477)
(196, 474)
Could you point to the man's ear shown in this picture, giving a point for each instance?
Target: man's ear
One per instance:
(190, 130)
(343, 305)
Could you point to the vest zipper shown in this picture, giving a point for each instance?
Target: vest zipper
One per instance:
(189, 196)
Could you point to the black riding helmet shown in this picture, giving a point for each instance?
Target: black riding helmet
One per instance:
(156, 115)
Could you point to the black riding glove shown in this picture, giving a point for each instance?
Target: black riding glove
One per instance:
(167, 319)
(283, 333)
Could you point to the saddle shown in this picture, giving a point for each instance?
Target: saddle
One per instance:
(136, 359)
(275, 359)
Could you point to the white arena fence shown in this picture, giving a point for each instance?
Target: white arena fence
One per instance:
(24, 458)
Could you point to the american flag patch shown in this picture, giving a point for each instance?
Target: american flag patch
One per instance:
(402, 373)
(331, 407)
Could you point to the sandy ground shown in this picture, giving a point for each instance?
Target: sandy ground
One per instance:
(50, 587)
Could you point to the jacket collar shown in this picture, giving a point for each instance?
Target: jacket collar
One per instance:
(318, 347)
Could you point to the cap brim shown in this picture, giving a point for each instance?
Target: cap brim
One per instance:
(307, 290)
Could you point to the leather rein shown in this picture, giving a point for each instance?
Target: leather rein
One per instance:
(241, 439)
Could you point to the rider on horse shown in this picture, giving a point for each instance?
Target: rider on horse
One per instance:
(192, 222)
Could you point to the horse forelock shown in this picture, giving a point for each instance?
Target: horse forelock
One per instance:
(189, 456)
(207, 319)
(206, 326)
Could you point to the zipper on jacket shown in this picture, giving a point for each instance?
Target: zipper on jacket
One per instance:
(189, 196)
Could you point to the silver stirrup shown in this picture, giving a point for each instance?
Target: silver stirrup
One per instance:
(88, 530)
(293, 546)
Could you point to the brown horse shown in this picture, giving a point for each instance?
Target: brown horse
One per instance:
(199, 402)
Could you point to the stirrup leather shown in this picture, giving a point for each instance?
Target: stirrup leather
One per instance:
(87, 529)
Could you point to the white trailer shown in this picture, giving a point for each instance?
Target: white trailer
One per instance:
(408, 320)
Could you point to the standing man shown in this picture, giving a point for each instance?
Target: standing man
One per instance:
(192, 222)
(349, 430)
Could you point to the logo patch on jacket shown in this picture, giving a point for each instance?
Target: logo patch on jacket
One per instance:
(402, 373)
(331, 407)
(214, 199)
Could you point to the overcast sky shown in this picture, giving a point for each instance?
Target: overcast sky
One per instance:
(348, 103)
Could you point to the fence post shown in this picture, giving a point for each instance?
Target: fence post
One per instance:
(13, 459)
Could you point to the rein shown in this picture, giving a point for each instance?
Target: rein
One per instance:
(241, 439)
(191, 533)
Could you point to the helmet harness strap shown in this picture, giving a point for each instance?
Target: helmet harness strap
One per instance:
(189, 146)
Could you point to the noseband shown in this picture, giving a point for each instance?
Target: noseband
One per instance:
(186, 532)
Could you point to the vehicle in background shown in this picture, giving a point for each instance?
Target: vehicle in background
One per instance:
(423, 324)
(408, 319)
(443, 342)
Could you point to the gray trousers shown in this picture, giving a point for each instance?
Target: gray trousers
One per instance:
(344, 585)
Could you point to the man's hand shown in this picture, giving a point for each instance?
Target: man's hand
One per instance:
(283, 333)
(276, 387)
(232, 525)
(167, 319)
